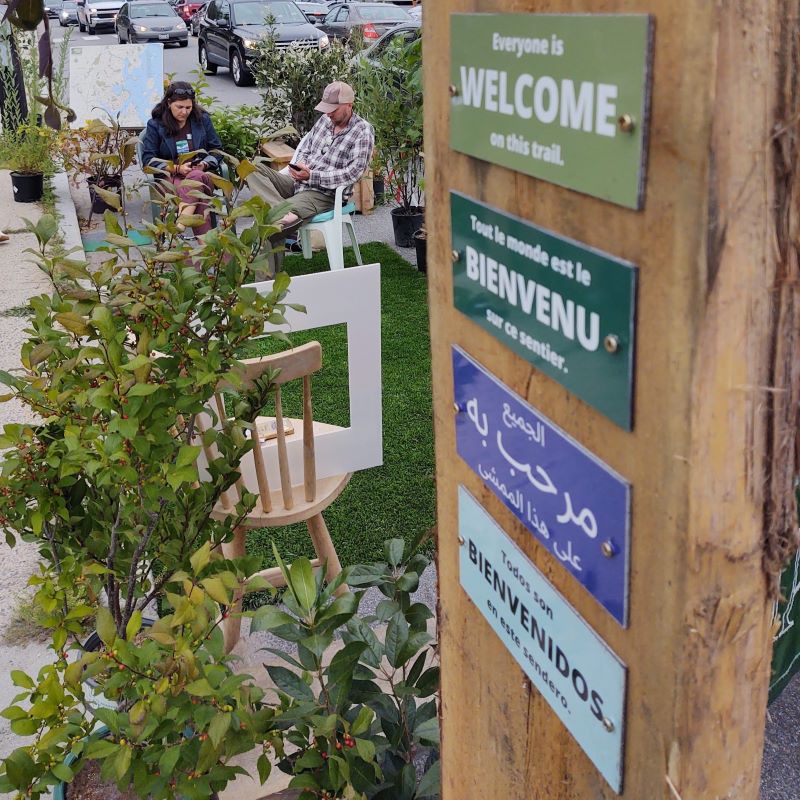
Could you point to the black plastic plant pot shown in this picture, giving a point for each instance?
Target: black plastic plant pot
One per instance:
(421, 246)
(28, 187)
(406, 222)
(111, 183)
(378, 188)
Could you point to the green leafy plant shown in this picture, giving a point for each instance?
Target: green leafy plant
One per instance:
(365, 723)
(391, 99)
(99, 150)
(118, 364)
(29, 149)
(179, 711)
(291, 80)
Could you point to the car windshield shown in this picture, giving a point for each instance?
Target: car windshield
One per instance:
(382, 13)
(257, 13)
(151, 10)
(68, 5)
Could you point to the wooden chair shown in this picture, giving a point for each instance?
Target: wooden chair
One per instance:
(290, 498)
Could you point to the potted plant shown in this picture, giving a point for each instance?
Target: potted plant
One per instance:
(100, 152)
(365, 723)
(421, 248)
(118, 364)
(28, 151)
(390, 97)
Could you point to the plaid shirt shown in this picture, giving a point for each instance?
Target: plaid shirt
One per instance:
(335, 160)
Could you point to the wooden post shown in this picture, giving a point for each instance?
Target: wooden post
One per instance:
(710, 458)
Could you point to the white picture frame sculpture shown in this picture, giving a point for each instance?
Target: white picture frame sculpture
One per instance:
(351, 296)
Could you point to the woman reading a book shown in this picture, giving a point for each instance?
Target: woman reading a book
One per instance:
(179, 127)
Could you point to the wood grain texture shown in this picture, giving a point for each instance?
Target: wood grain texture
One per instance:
(699, 457)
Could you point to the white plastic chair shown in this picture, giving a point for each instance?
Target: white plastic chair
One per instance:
(329, 224)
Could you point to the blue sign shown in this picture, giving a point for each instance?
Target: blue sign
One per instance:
(582, 680)
(574, 504)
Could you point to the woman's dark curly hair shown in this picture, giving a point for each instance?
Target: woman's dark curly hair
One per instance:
(178, 90)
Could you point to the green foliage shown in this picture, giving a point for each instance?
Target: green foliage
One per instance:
(391, 99)
(179, 710)
(30, 149)
(118, 364)
(359, 723)
(98, 149)
(291, 80)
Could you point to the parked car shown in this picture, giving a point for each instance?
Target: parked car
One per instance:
(367, 20)
(68, 14)
(141, 21)
(230, 29)
(404, 33)
(194, 25)
(94, 14)
(187, 9)
(315, 10)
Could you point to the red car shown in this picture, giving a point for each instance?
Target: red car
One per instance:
(186, 9)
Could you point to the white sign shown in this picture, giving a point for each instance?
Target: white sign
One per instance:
(581, 679)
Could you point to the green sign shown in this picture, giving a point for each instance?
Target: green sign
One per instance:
(562, 97)
(786, 646)
(566, 308)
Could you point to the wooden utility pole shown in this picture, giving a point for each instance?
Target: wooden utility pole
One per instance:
(703, 237)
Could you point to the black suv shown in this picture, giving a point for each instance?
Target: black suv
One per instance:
(231, 28)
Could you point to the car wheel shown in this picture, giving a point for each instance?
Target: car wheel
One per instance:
(241, 77)
(205, 64)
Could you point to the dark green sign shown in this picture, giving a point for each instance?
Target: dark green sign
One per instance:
(786, 647)
(566, 308)
(562, 97)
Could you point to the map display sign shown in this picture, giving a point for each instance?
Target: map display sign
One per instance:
(568, 309)
(575, 505)
(562, 97)
(109, 79)
(581, 679)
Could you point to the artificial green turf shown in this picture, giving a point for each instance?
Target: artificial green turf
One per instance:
(396, 499)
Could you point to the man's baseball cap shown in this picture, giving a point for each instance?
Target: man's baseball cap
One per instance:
(334, 95)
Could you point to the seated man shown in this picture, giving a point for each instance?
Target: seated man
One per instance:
(334, 153)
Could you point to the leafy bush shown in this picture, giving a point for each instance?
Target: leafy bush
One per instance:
(29, 149)
(391, 99)
(372, 725)
(291, 80)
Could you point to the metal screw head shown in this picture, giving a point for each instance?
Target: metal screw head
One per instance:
(461, 540)
(611, 343)
(626, 123)
(607, 549)
(456, 407)
(608, 724)
(453, 89)
(455, 255)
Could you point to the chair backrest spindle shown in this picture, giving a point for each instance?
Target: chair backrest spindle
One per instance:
(283, 457)
(309, 458)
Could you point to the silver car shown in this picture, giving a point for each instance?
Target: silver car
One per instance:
(68, 13)
(141, 21)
